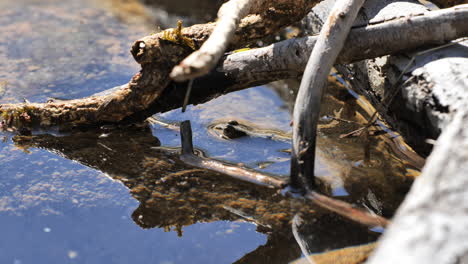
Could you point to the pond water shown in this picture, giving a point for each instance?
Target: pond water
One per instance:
(122, 195)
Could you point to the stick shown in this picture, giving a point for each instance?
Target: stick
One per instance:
(307, 107)
(342, 208)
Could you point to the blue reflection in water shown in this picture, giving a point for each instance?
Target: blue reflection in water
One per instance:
(54, 210)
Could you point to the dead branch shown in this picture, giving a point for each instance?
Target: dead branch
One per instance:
(157, 54)
(203, 60)
(237, 172)
(307, 107)
(145, 94)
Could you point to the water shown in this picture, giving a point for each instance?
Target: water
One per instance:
(116, 196)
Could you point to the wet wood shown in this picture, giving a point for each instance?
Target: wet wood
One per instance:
(235, 171)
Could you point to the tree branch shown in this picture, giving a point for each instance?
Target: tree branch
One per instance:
(203, 60)
(146, 95)
(307, 107)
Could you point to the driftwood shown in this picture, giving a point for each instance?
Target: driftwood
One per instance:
(146, 93)
(431, 226)
(201, 61)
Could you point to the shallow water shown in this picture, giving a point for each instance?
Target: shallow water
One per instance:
(111, 196)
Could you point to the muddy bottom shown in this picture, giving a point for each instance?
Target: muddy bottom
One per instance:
(121, 194)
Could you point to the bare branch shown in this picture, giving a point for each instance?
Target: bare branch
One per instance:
(203, 60)
(146, 95)
(232, 170)
(307, 107)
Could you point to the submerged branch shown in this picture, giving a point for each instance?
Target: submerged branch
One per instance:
(340, 207)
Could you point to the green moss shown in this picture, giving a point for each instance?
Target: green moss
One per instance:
(175, 36)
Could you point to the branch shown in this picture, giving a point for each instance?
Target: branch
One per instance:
(307, 107)
(237, 172)
(287, 59)
(203, 60)
(146, 95)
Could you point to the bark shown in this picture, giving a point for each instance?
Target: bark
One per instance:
(448, 3)
(146, 95)
(423, 105)
(201, 61)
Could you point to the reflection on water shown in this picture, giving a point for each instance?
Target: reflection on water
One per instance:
(110, 195)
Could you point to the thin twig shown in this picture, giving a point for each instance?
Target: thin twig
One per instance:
(347, 210)
(187, 95)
